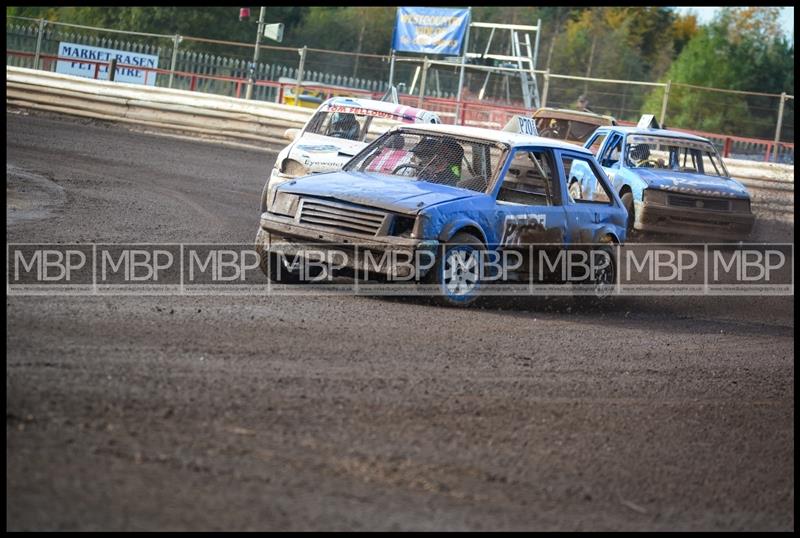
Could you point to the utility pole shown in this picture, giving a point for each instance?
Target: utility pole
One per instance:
(251, 82)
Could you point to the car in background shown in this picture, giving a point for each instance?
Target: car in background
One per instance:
(671, 182)
(312, 94)
(449, 190)
(338, 130)
(572, 126)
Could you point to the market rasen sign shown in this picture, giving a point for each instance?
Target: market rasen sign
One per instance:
(127, 74)
(430, 30)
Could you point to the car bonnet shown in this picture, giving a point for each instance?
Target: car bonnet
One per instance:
(376, 190)
(692, 183)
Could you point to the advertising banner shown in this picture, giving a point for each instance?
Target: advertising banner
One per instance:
(126, 59)
(430, 30)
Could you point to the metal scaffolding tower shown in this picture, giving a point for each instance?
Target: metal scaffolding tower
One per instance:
(523, 55)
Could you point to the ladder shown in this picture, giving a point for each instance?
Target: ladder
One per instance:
(523, 55)
(526, 64)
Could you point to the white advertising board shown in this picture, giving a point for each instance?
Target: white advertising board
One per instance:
(130, 62)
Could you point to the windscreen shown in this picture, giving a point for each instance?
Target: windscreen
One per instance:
(337, 124)
(562, 129)
(432, 158)
(673, 153)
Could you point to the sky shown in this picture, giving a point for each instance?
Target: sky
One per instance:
(705, 14)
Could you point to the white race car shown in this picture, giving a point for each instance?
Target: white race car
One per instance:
(338, 130)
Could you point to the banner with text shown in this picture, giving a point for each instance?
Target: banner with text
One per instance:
(128, 63)
(430, 30)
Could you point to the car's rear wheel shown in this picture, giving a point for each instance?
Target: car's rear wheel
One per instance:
(602, 281)
(457, 271)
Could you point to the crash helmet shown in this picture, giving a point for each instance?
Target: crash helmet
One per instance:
(343, 121)
(453, 153)
(640, 152)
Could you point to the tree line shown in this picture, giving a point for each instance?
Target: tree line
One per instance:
(741, 49)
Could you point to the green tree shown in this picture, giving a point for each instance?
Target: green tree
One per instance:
(220, 23)
(742, 49)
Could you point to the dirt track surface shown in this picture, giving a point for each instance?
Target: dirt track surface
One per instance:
(352, 413)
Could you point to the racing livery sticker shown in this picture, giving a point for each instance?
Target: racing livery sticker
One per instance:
(517, 227)
(322, 148)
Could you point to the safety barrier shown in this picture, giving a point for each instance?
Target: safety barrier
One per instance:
(214, 116)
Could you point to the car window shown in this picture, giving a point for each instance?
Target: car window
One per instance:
(613, 151)
(565, 129)
(597, 143)
(433, 158)
(580, 131)
(673, 153)
(584, 183)
(530, 179)
(339, 124)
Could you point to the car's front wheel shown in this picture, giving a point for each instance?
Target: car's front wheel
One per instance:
(271, 265)
(457, 271)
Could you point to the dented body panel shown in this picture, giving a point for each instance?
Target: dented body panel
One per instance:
(700, 199)
(352, 206)
(315, 150)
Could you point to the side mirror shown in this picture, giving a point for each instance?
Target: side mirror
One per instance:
(291, 134)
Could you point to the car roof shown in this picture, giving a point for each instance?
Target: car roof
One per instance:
(656, 132)
(492, 135)
(566, 113)
(384, 107)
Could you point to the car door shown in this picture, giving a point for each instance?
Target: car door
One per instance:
(528, 201)
(591, 212)
(610, 158)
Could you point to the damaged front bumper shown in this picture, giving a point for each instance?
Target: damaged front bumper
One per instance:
(388, 256)
(651, 217)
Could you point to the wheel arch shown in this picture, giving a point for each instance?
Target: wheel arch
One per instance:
(462, 225)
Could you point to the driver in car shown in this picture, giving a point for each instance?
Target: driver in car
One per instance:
(444, 165)
(640, 157)
(344, 125)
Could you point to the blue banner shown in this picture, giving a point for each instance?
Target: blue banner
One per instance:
(430, 30)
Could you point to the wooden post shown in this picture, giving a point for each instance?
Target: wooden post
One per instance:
(39, 36)
(459, 104)
(251, 82)
(546, 87)
(422, 82)
(175, 40)
(778, 127)
(664, 104)
(112, 69)
(300, 75)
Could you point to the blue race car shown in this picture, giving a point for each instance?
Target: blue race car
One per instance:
(449, 190)
(671, 182)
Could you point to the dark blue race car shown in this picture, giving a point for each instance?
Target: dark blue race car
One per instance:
(450, 191)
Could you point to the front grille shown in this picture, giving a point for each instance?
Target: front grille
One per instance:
(697, 202)
(342, 217)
